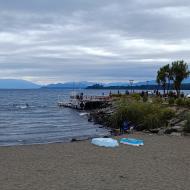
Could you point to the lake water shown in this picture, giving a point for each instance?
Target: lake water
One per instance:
(42, 121)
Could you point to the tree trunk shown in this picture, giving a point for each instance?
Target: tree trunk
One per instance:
(168, 86)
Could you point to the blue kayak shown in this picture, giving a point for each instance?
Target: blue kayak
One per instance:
(133, 142)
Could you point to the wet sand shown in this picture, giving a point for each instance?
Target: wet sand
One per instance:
(162, 163)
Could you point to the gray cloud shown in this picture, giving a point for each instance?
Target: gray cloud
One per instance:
(51, 41)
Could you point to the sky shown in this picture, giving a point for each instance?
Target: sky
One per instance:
(50, 41)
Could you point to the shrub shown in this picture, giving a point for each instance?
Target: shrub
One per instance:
(136, 96)
(187, 102)
(167, 114)
(180, 101)
(118, 117)
(187, 125)
(157, 100)
(152, 121)
(145, 98)
(145, 114)
(171, 100)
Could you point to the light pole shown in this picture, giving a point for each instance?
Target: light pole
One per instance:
(131, 83)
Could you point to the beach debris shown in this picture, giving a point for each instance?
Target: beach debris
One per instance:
(105, 142)
(131, 141)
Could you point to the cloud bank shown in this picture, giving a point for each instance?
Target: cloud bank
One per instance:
(58, 41)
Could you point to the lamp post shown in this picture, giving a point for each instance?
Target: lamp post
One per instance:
(131, 83)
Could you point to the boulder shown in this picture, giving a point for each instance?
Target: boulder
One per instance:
(154, 130)
(161, 131)
(169, 130)
(178, 128)
(176, 134)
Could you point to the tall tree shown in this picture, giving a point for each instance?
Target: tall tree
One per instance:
(168, 74)
(180, 72)
(162, 78)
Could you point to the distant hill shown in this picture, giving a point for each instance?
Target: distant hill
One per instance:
(69, 85)
(117, 84)
(17, 84)
(151, 85)
(151, 82)
(114, 85)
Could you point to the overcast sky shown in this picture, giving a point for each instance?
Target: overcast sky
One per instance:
(49, 41)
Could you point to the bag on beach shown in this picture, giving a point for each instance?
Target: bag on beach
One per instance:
(105, 142)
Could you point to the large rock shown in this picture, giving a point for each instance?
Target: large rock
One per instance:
(170, 130)
(154, 130)
(176, 134)
(162, 131)
(178, 128)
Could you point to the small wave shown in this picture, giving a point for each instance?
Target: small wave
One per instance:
(82, 114)
(21, 106)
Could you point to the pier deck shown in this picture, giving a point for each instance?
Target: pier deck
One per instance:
(87, 102)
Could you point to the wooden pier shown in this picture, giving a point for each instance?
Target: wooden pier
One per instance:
(85, 102)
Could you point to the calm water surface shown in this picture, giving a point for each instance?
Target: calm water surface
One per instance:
(42, 121)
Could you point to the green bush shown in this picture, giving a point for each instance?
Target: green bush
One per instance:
(145, 114)
(187, 125)
(167, 114)
(171, 100)
(145, 98)
(152, 121)
(118, 118)
(136, 96)
(187, 102)
(157, 100)
(180, 102)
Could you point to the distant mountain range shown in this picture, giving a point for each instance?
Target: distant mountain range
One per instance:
(17, 84)
(70, 85)
(23, 84)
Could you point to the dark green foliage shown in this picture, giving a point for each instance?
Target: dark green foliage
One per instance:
(167, 114)
(136, 96)
(164, 75)
(187, 103)
(145, 98)
(157, 100)
(145, 114)
(180, 102)
(171, 100)
(152, 121)
(179, 72)
(187, 125)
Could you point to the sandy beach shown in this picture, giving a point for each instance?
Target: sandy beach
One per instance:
(162, 163)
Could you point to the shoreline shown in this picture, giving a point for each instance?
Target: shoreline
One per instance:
(162, 163)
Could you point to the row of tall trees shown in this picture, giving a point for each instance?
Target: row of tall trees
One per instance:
(173, 74)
